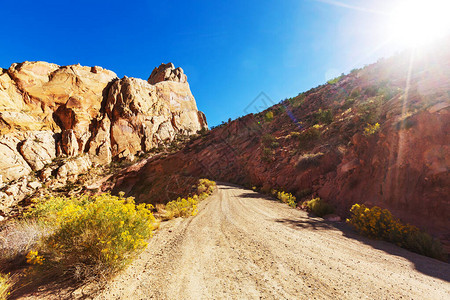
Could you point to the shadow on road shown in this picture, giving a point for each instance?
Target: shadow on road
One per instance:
(423, 264)
(305, 224)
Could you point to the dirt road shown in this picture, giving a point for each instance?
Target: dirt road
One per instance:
(244, 246)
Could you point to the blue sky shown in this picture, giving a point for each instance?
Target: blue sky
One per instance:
(230, 50)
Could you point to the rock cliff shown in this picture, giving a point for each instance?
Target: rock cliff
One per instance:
(83, 116)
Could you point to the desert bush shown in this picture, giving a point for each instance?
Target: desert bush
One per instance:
(324, 116)
(268, 117)
(309, 160)
(371, 129)
(185, 207)
(335, 80)
(92, 235)
(371, 110)
(296, 101)
(182, 207)
(267, 139)
(267, 154)
(205, 186)
(294, 134)
(5, 285)
(286, 198)
(318, 207)
(308, 136)
(380, 224)
(18, 238)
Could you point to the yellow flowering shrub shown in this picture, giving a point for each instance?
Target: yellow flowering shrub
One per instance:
(5, 285)
(379, 223)
(287, 198)
(371, 129)
(318, 207)
(182, 207)
(93, 231)
(185, 207)
(205, 186)
(34, 258)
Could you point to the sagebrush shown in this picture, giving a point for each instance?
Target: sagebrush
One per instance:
(90, 235)
(318, 207)
(287, 198)
(379, 223)
(188, 206)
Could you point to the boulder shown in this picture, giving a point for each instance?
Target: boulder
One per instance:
(74, 167)
(38, 149)
(12, 164)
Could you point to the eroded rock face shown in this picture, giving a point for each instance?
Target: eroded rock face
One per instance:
(38, 149)
(85, 116)
(12, 165)
(167, 72)
(144, 116)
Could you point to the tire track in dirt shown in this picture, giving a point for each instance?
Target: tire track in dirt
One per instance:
(243, 246)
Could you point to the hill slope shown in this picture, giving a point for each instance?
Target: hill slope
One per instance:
(378, 136)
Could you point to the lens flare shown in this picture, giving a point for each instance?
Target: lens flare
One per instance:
(418, 22)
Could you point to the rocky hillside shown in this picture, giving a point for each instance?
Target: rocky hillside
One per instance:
(378, 136)
(56, 122)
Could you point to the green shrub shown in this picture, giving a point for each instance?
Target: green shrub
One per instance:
(324, 116)
(318, 207)
(298, 100)
(335, 80)
(380, 224)
(92, 235)
(267, 139)
(356, 93)
(267, 154)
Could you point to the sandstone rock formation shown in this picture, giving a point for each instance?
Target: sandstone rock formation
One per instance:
(85, 116)
(167, 72)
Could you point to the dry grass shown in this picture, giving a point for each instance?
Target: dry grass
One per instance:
(5, 286)
(18, 238)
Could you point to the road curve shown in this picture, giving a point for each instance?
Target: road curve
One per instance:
(243, 245)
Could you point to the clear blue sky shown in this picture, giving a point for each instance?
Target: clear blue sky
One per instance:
(230, 50)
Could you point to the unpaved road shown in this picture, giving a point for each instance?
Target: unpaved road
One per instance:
(244, 246)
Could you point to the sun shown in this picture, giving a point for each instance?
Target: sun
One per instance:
(418, 22)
